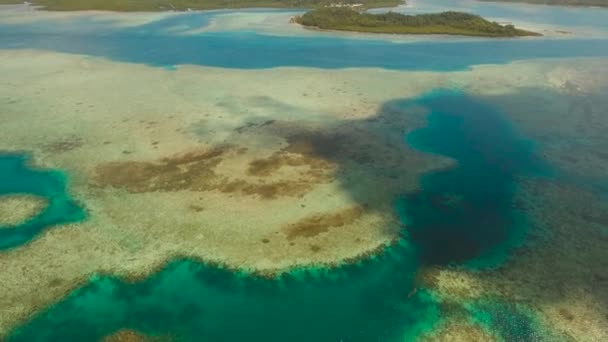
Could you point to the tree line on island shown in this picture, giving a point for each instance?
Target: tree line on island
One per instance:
(452, 23)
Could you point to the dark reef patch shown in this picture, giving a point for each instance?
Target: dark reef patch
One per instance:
(17, 177)
(193, 171)
(125, 335)
(196, 171)
(318, 168)
(464, 212)
(317, 224)
(65, 144)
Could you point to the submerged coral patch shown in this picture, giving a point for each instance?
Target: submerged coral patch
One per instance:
(16, 209)
(317, 224)
(189, 171)
(126, 335)
(18, 177)
(196, 171)
(64, 144)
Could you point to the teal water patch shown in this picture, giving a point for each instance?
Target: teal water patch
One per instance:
(371, 301)
(16, 177)
(461, 215)
(466, 214)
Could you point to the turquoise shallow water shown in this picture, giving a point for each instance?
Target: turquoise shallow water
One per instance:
(461, 216)
(16, 177)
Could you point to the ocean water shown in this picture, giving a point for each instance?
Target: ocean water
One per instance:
(166, 42)
(377, 299)
(463, 216)
(17, 177)
(465, 213)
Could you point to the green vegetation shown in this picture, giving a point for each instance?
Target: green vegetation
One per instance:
(599, 3)
(182, 5)
(454, 23)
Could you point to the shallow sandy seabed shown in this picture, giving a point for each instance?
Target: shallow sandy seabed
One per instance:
(201, 162)
(16, 209)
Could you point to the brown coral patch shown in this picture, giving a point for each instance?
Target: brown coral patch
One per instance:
(298, 153)
(64, 144)
(324, 145)
(566, 314)
(295, 188)
(189, 171)
(353, 144)
(314, 225)
(126, 335)
(312, 170)
(265, 167)
(196, 171)
(283, 188)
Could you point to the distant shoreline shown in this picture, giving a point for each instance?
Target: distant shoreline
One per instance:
(187, 5)
(570, 3)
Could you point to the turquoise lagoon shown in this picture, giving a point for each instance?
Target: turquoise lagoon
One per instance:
(470, 203)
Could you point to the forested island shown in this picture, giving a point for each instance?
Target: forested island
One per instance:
(184, 5)
(598, 3)
(452, 23)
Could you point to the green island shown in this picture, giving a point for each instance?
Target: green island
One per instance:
(596, 3)
(452, 23)
(183, 5)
